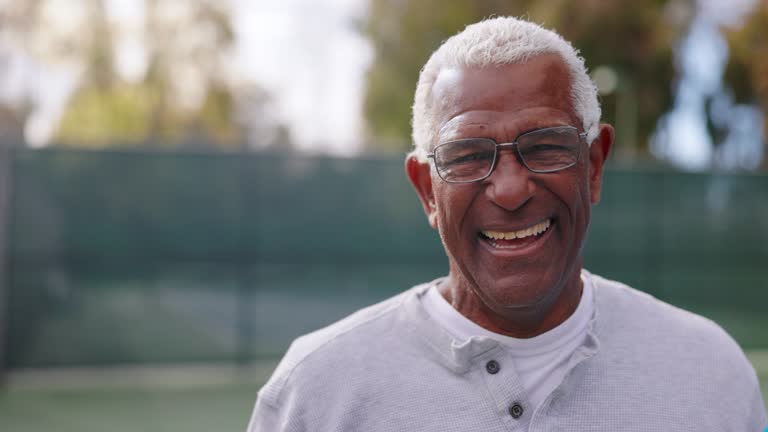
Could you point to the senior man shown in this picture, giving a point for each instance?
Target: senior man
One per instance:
(508, 162)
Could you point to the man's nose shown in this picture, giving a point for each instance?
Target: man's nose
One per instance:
(510, 185)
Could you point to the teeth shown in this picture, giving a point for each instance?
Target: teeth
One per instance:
(511, 235)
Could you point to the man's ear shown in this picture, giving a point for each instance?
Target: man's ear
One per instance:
(421, 178)
(598, 153)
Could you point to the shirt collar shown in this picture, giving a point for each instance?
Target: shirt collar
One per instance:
(462, 328)
(460, 356)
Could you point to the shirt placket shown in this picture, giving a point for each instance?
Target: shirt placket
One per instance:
(538, 422)
(505, 389)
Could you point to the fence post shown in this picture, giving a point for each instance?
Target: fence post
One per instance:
(6, 177)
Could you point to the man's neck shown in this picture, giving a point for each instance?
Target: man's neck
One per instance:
(519, 322)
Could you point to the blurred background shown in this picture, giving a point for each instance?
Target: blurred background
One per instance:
(188, 185)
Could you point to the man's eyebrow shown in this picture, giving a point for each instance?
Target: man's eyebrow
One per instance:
(478, 130)
(449, 130)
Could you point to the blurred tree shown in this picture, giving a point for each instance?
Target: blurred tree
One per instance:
(261, 126)
(635, 39)
(184, 90)
(16, 103)
(747, 70)
(13, 116)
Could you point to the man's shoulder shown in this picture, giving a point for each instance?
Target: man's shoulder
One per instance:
(639, 310)
(360, 325)
(317, 356)
(656, 347)
(632, 321)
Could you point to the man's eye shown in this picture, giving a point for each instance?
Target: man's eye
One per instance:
(545, 148)
(470, 157)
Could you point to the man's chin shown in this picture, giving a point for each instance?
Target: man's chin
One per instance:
(519, 296)
(518, 304)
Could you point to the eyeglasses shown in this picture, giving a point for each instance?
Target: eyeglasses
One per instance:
(541, 151)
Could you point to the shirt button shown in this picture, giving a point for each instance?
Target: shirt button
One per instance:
(492, 367)
(516, 411)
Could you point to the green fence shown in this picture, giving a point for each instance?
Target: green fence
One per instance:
(145, 257)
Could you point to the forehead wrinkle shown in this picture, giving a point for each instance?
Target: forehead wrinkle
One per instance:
(455, 127)
(552, 84)
(469, 105)
(533, 119)
(503, 126)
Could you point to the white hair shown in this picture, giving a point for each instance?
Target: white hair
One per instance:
(500, 41)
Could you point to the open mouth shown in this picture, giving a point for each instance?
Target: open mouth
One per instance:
(516, 239)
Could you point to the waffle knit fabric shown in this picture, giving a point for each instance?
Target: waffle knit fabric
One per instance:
(645, 366)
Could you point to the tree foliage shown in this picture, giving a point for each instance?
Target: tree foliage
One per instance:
(16, 105)
(183, 91)
(633, 38)
(747, 70)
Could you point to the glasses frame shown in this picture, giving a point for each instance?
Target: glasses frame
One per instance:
(514, 145)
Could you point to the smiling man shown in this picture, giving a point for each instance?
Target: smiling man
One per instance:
(512, 220)
(508, 161)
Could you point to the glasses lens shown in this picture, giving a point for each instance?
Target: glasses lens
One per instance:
(465, 160)
(549, 149)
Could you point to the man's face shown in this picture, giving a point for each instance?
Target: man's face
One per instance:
(501, 103)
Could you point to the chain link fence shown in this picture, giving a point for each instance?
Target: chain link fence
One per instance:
(135, 256)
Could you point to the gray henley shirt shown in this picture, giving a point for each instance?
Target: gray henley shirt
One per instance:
(644, 366)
